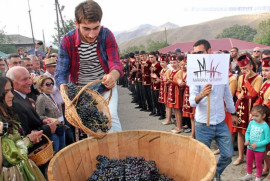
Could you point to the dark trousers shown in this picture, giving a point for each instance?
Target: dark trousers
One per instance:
(142, 95)
(138, 94)
(148, 96)
(69, 129)
(157, 107)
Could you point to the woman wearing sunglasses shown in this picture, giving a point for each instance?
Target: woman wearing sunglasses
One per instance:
(15, 164)
(46, 106)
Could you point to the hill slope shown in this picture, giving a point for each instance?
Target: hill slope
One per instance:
(142, 30)
(207, 30)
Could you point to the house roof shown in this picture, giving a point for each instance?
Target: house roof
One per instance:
(216, 45)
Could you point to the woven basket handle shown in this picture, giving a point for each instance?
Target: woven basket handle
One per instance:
(86, 86)
(48, 139)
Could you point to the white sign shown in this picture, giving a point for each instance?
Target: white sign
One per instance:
(207, 68)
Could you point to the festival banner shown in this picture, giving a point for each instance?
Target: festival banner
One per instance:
(207, 69)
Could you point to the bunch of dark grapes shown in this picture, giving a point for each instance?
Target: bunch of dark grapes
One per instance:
(129, 169)
(72, 90)
(86, 108)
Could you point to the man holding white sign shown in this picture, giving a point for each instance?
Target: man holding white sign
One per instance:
(208, 77)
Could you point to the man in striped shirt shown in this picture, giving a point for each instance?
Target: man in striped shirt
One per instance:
(90, 52)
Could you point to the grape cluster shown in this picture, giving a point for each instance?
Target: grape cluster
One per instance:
(86, 108)
(129, 169)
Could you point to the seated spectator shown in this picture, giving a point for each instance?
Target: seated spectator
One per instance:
(29, 118)
(47, 106)
(15, 163)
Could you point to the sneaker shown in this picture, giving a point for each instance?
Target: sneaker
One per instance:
(188, 130)
(258, 179)
(217, 178)
(247, 177)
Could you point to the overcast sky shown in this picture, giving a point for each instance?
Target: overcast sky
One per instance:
(120, 15)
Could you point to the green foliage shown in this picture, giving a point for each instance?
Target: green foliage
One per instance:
(151, 46)
(155, 45)
(239, 32)
(4, 39)
(7, 48)
(132, 49)
(263, 33)
(4, 47)
(69, 25)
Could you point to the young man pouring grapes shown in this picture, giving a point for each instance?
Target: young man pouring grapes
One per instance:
(89, 53)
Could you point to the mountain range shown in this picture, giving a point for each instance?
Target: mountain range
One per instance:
(175, 34)
(142, 30)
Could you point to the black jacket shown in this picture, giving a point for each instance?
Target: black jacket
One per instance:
(29, 118)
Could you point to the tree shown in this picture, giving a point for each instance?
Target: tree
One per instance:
(151, 46)
(132, 49)
(4, 46)
(239, 32)
(155, 45)
(69, 25)
(263, 33)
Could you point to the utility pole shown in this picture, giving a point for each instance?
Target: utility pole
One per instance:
(166, 36)
(44, 43)
(57, 21)
(29, 11)
(60, 13)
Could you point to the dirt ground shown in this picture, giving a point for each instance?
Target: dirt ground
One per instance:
(133, 119)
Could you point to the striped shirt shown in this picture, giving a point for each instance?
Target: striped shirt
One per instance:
(90, 68)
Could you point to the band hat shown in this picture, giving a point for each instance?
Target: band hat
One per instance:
(163, 58)
(50, 61)
(173, 58)
(266, 62)
(243, 60)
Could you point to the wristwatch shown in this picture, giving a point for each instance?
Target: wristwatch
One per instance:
(233, 114)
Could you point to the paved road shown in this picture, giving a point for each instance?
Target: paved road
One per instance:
(133, 119)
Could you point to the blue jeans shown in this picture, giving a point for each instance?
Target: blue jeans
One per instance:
(113, 107)
(59, 141)
(221, 134)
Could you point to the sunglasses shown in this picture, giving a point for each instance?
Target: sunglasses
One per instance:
(257, 51)
(48, 84)
(199, 52)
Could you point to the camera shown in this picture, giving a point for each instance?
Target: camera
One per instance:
(3, 128)
(40, 43)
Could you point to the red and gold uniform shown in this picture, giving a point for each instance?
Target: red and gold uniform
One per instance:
(132, 66)
(188, 111)
(146, 79)
(155, 70)
(250, 90)
(233, 87)
(138, 65)
(164, 74)
(264, 94)
(175, 96)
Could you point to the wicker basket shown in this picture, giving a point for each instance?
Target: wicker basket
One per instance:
(71, 114)
(45, 153)
(179, 157)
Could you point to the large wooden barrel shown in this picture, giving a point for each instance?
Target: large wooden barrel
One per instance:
(179, 157)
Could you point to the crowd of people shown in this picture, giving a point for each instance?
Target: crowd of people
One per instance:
(31, 104)
(157, 83)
